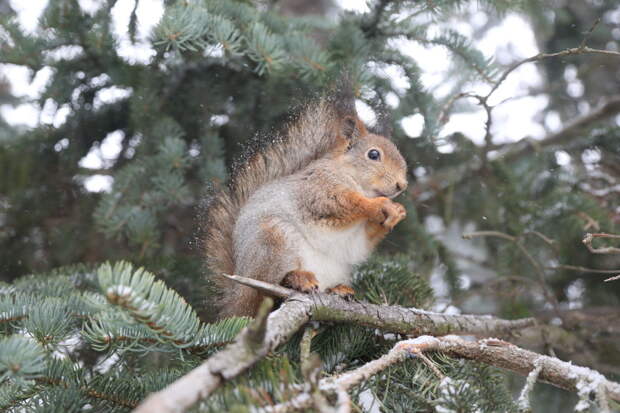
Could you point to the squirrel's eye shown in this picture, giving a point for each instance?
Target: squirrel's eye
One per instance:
(374, 154)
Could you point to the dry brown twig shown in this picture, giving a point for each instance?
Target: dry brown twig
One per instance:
(587, 240)
(541, 275)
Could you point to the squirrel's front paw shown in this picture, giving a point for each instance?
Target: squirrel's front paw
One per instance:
(393, 213)
(303, 281)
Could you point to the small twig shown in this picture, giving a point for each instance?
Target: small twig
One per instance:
(590, 222)
(551, 242)
(617, 277)
(540, 270)
(587, 240)
(582, 269)
(582, 49)
(304, 344)
(532, 377)
(582, 45)
(273, 290)
(445, 109)
(429, 363)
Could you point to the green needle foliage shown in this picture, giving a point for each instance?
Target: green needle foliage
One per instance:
(169, 129)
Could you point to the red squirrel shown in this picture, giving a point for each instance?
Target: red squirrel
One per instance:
(307, 208)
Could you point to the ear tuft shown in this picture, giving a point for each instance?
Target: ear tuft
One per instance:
(349, 127)
(383, 125)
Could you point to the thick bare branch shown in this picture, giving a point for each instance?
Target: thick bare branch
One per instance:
(396, 319)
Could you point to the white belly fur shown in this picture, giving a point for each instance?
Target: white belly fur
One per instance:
(330, 254)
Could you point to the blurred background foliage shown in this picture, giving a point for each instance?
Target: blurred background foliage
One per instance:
(220, 75)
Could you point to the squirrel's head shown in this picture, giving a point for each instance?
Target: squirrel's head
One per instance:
(374, 161)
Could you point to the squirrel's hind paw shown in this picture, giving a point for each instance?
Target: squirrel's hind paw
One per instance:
(343, 291)
(303, 281)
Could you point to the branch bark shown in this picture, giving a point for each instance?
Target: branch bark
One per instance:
(395, 319)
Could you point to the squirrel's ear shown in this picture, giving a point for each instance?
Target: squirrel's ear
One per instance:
(352, 128)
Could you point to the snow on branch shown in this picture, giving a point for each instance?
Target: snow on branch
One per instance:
(498, 353)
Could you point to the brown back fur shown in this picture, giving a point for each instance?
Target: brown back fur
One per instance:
(317, 132)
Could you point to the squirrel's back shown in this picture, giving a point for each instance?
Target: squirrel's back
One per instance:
(313, 134)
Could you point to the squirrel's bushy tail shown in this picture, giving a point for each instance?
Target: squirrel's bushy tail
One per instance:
(315, 132)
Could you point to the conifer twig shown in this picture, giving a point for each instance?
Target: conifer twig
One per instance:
(231, 361)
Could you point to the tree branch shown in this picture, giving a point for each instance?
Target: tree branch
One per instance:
(489, 351)
(395, 319)
(510, 357)
(298, 309)
(450, 176)
(346, 381)
(232, 360)
(587, 240)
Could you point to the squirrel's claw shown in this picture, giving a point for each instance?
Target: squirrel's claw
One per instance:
(302, 281)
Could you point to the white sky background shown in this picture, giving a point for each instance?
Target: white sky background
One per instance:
(510, 41)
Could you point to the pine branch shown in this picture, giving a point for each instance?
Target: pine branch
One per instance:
(256, 341)
(233, 360)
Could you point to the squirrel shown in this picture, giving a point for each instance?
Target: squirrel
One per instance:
(305, 209)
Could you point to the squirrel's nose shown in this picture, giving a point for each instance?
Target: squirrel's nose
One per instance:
(400, 186)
